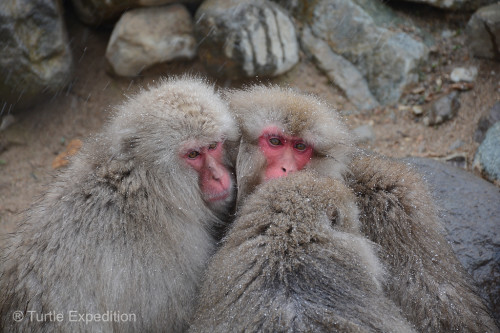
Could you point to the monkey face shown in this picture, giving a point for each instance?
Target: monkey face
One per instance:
(282, 131)
(214, 178)
(284, 153)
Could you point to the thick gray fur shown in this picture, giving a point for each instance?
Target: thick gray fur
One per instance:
(124, 228)
(396, 210)
(295, 261)
(426, 279)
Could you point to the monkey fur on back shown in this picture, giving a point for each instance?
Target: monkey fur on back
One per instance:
(396, 210)
(295, 261)
(124, 229)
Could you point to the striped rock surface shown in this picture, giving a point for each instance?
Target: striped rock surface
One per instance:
(239, 39)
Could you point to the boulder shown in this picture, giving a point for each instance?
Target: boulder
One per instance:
(35, 61)
(386, 57)
(470, 212)
(487, 159)
(96, 12)
(340, 71)
(483, 32)
(245, 38)
(455, 4)
(486, 122)
(147, 36)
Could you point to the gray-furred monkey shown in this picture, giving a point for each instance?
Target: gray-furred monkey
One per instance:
(126, 228)
(295, 261)
(284, 131)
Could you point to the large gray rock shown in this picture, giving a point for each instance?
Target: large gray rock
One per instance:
(455, 4)
(147, 36)
(386, 57)
(35, 59)
(95, 12)
(340, 71)
(486, 122)
(245, 38)
(470, 210)
(483, 32)
(487, 159)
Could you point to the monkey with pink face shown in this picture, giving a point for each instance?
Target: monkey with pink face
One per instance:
(127, 228)
(284, 131)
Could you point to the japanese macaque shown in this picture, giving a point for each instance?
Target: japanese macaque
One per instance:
(284, 131)
(126, 229)
(295, 261)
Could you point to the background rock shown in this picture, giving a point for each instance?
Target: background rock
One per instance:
(35, 59)
(95, 12)
(364, 133)
(245, 38)
(471, 216)
(487, 159)
(147, 36)
(340, 71)
(463, 74)
(455, 4)
(442, 109)
(483, 32)
(386, 58)
(486, 122)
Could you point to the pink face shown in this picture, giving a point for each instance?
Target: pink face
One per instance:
(214, 178)
(284, 154)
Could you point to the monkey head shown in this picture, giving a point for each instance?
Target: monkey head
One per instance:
(182, 130)
(284, 131)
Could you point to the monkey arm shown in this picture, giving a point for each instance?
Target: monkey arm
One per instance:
(427, 281)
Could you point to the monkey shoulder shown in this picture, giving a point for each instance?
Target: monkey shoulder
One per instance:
(373, 172)
(382, 184)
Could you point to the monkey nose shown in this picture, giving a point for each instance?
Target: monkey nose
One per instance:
(214, 169)
(216, 172)
(288, 169)
(216, 175)
(287, 163)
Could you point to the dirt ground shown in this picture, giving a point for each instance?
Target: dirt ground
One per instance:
(29, 146)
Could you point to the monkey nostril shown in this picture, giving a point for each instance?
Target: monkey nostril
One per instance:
(284, 170)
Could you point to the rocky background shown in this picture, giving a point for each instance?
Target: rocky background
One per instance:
(417, 79)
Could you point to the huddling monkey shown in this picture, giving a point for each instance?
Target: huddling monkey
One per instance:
(295, 261)
(284, 131)
(127, 228)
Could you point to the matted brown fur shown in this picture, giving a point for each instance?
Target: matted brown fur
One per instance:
(124, 229)
(295, 261)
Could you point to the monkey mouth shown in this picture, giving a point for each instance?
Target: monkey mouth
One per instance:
(212, 197)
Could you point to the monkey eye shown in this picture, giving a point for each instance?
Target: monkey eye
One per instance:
(275, 141)
(193, 154)
(300, 146)
(212, 146)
